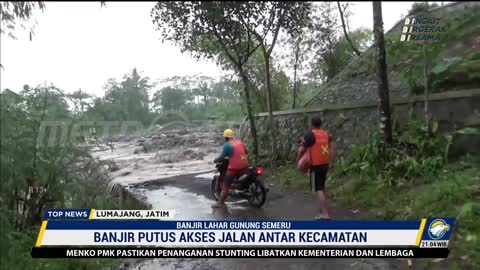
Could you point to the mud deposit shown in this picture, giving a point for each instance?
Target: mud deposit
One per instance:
(163, 154)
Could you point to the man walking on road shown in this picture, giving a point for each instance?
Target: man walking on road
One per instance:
(322, 154)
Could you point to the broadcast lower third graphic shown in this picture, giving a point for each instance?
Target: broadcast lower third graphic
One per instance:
(80, 234)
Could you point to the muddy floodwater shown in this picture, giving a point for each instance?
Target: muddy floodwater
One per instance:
(144, 167)
(195, 206)
(169, 179)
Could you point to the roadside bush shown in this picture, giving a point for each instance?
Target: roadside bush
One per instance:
(453, 192)
(36, 176)
(416, 152)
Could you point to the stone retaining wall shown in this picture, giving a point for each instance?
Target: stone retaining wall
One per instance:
(353, 124)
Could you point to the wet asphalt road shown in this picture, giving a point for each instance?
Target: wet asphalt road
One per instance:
(190, 196)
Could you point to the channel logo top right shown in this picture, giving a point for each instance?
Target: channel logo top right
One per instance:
(422, 29)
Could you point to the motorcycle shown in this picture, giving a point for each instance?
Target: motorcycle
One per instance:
(247, 186)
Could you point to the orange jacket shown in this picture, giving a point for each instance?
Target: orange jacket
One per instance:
(319, 152)
(238, 160)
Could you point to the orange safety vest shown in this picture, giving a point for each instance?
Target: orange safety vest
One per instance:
(238, 160)
(319, 152)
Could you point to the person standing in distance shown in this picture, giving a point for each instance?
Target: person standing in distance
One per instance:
(322, 154)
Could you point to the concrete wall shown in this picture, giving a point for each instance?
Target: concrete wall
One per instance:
(352, 124)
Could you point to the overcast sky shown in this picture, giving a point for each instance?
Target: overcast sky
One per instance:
(81, 45)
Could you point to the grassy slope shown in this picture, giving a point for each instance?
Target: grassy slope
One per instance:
(454, 63)
(454, 193)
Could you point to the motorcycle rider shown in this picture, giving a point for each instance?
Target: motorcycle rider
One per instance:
(235, 153)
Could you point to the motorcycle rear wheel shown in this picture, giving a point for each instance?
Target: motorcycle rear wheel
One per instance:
(216, 188)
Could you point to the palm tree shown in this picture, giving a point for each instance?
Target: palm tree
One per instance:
(78, 98)
(136, 95)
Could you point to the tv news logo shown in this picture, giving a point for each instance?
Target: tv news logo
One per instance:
(437, 229)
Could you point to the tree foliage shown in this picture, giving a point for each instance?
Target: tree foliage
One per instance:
(343, 53)
(206, 29)
(169, 99)
(188, 95)
(212, 30)
(280, 84)
(37, 174)
(334, 50)
(269, 19)
(421, 6)
(14, 13)
(341, 11)
(325, 36)
(127, 100)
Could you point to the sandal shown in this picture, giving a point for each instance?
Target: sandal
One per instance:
(319, 217)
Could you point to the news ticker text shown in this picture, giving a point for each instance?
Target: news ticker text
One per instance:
(296, 252)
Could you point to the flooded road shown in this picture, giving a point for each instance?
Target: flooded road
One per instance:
(189, 196)
(184, 186)
(195, 207)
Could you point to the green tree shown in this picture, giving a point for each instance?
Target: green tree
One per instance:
(341, 10)
(79, 99)
(170, 99)
(12, 12)
(137, 88)
(420, 7)
(265, 24)
(191, 92)
(298, 49)
(204, 91)
(279, 84)
(220, 91)
(326, 32)
(335, 51)
(428, 52)
(208, 30)
(130, 97)
(382, 79)
(343, 53)
(62, 171)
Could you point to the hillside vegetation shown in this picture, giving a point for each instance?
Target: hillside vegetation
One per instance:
(415, 177)
(454, 64)
(408, 183)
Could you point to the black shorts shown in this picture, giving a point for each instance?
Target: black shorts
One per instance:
(318, 176)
